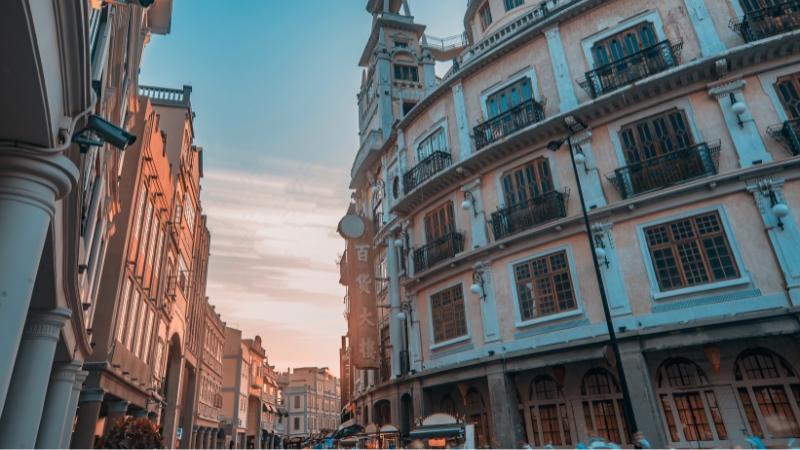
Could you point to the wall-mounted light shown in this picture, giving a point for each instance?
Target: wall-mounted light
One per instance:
(738, 108)
(600, 250)
(469, 202)
(477, 285)
(378, 185)
(780, 210)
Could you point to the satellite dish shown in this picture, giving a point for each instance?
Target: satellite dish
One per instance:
(351, 226)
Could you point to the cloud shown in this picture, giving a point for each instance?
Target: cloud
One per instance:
(272, 270)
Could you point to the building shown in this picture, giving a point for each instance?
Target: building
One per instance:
(313, 397)
(60, 195)
(490, 308)
(209, 395)
(262, 406)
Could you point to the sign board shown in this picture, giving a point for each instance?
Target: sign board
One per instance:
(363, 319)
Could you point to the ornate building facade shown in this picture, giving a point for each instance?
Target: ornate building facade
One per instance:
(489, 306)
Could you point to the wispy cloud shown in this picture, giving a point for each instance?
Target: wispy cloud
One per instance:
(273, 251)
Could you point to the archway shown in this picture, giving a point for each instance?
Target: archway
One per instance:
(477, 414)
(602, 406)
(169, 419)
(382, 412)
(548, 415)
(406, 413)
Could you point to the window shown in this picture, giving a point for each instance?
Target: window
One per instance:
(788, 88)
(147, 332)
(755, 5)
(511, 4)
(296, 402)
(131, 329)
(544, 286)
(123, 309)
(621, 45)
(405, 73)
(188, 212)
(446, 405)
(449, 318)
(434, 143)
(159, 247)
(146, 227)
(137, 343)
(549, 416)
(159, 355)
(476, 411)
(153, 234)
(407, 107)
(527, 182)
(183, 276)
(440, 222)
(400, 44)
(690, 252)
(656, 135)
(486, 16)
(509, 97)
(603, 409)
(140, 211)
(767, 386)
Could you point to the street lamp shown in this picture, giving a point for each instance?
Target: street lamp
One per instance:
(576, 126)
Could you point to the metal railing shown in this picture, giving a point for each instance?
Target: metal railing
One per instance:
(697, 161)
(448, 43)
(425, 170)
(377, 223)
(622, 72)
(509, 122)
(444, 248)
(530, 213)
(769, 21)
(787, 134)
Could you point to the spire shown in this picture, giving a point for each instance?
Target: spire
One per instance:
(363, 77)
(381, 38)
(424, 41)
(406, 9)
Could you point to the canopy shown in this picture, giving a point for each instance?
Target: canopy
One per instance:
(437, 431)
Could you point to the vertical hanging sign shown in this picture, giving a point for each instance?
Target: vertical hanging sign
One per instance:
(363, 319)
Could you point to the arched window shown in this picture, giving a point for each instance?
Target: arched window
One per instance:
(476, 413)
(603, 409)
(446, 405)
(689, 405)
(549, 415)
(770, 392)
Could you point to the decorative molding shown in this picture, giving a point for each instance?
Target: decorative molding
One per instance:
(94, 395)
(450, 351)
(470, 185)
(46, 325)
(721, 67)
(604, 228)
(581, 137)
(551, 328)
(726, 88)
(707, 300)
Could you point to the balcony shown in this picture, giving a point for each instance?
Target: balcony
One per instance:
(528, 214)
(622, 72)
(770, 21)
(439, 250)
(698, 161)
(509, 122)
(425, 170)
(447, 48)
(787, 134)
(377, 223)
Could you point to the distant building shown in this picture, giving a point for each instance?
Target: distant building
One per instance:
(313, 400)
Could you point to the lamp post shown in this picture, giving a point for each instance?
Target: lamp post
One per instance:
(576, 127)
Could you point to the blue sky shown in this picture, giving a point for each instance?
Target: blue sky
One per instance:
(274, 90)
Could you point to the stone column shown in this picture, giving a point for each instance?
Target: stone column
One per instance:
(505, 414)
(207, 438)
(88, 414)
(197, 441)
(56, 405)
(29, 187)
(746, 137)
(214, 432)
(116, 410)
(69, 422)
(477, 217)
(29, 381)
(645, 402)
(170, 427)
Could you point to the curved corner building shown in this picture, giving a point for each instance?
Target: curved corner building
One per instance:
(488, 303)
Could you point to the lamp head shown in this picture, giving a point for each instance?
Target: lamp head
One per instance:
(398, 242)
(600, 253)
(466, 204)
(475, 289)
(401, 316)
(739, 108)
(376, 188)
(780, 210)
(580, 158)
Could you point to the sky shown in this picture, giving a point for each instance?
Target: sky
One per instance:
(274, 87)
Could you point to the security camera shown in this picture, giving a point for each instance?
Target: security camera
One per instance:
(111, 133)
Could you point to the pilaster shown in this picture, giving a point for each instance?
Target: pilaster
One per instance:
(710, 43)
(476, 215)
(505, 414)
(564, 84)
(383, 76)
(491, 321)
(646, 407)
(590, 177)
(611, 269)
(462, 121)
(785, 239)
(395, 326)
(415, 349)
(746, 137)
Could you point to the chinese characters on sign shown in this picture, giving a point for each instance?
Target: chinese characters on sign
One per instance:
(363, 319)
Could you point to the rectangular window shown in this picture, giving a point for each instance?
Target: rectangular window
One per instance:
(606, 420)
(139, 212)
(656, 135)
(509, 97)
(188, 212)
(434, 143)
(693, 417)
(486, 16)
(511, 4)
(622, 45)
(544, 286)
(777, 413)
(447, 311)
(146, 227)
(159, 357)
(297, 402)
(137, 343)
(527, 182)
(153, 234)
(788, 89)
(691, 252)
(130, 330)
(673, 429)
(440, 222)
(157, 267)
(405, 73)
(752, 418)
(123, 309)
(147, 332)
(716, 415)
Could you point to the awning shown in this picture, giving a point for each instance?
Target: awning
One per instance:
(271, 408)
(436, 432)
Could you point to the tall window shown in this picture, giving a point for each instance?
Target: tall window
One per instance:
(157, 267)
(446, 405)
(550, 420)
(656, 135)
(146, 227)
(768, 389)
(690, 252)
(296, 423)
(449, 317)
(152, 246)
(123, 309)
(159, 356)
(511, 4)
(476, 410)
(544, 286)
(486, 16)
(434, 143)
(147, 331)
(405, 73)
(788, 89)
(188, 212)
(137, 342)
(130, 330)
(602, 408)
(140, 211)
(526, 182)
(689, 405)
(440, 222)
(509, 97)
(296, 402)
(621, 45)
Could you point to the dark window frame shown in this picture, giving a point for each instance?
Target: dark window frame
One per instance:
(448, 309)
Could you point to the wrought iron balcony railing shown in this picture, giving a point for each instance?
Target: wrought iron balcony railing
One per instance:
(442, 249)
(530, 213)
(377, 223)
(769, 21)
(509, 122)
(697, 161)
(622, 72)
(787, 134)
(425, 170)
